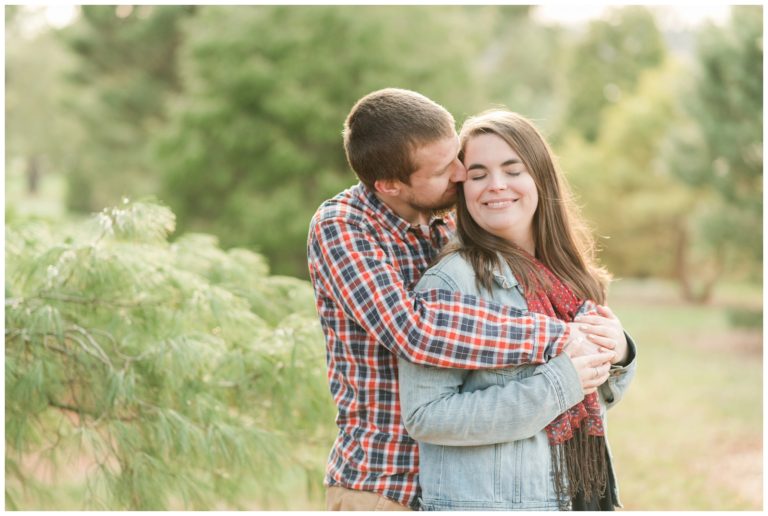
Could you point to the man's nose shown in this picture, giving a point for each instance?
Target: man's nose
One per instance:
(459, 174)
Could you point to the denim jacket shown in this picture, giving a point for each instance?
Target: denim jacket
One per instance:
(481, 434)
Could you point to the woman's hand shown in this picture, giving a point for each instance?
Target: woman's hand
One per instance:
(605, 330)
(593, 370)
(578, 345)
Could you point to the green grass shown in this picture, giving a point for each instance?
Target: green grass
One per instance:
(688, 434)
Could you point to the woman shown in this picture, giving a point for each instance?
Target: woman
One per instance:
(530, 437)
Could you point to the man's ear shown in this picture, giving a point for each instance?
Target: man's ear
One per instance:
(388, 186)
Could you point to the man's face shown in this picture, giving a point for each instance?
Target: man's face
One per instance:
(438, 169)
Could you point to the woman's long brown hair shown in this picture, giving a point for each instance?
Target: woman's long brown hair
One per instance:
(563, 242)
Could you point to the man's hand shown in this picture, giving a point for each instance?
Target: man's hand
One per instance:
(605, 331)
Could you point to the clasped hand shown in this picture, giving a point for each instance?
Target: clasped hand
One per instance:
(596, 341)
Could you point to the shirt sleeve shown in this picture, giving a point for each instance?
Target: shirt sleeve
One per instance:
(436, 328)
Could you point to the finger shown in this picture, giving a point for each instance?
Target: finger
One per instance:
(593, 383)
(591, 319)
(606, 311)
(604, 342)
(596, 381)
(598, 359)
(604, 331)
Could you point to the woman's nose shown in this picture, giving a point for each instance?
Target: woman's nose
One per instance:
(497, 182)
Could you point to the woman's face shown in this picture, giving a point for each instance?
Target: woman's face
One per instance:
(500, 194)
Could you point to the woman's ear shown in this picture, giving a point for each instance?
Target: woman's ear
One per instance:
(387, 186)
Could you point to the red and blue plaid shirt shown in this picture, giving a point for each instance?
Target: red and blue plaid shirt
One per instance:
(363, 262)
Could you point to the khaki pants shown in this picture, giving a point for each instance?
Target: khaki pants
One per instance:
(343, 499)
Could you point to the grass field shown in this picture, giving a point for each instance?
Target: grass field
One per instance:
(688, 435)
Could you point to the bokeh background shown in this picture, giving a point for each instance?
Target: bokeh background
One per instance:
(161, 167)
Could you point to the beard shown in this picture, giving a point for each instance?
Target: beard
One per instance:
(438, 207)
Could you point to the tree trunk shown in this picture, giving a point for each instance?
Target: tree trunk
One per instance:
(697, 283)
(33, 174)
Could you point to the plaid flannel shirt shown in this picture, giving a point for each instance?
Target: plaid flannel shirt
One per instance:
(363, 262)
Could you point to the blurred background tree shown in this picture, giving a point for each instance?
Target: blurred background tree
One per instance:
(39, 139)
(253, 146)
(717, 153)
(605, 65)
(124, 74)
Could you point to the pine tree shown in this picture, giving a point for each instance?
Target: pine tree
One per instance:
(124, 74)
(254, 144)
(182, 372)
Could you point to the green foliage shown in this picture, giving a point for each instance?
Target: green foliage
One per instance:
(606, 63)
(233, 114)
(125, 74)
(634, 202)
(254, 145)
(517, 63)
(175, 370)
(677, 165)
(37, 140)
(718, 151)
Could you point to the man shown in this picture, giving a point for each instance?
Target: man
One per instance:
(367, 247)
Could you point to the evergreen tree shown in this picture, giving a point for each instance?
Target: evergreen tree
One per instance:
(255, 144)
(519, 62)
(182, 373)
(124, 75)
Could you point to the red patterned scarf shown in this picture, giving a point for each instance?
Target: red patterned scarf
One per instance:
(576, 437)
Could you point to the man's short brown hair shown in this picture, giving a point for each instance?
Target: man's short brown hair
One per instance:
(384, 129)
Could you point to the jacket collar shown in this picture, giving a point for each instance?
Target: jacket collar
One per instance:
(503, 276)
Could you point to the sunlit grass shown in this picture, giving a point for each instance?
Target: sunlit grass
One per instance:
(688, 435)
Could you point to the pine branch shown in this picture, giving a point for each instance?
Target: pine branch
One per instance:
(91, 301)
(80, 411)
